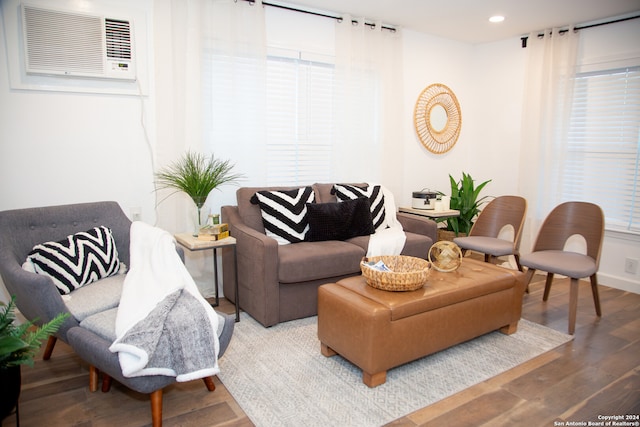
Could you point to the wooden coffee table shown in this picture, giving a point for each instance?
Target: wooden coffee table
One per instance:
(378, 330)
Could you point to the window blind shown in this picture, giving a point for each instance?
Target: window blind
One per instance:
(299, 121)
(601, 160)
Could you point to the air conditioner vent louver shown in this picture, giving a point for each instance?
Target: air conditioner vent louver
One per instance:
(118, 35)
(56, 39)
(72, 44)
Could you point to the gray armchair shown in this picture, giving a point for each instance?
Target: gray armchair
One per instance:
(38, 297)
(22, 229)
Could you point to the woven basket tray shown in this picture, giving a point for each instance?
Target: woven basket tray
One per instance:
(408, 273)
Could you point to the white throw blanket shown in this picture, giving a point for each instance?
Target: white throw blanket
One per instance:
(164, 326)
(388, 241)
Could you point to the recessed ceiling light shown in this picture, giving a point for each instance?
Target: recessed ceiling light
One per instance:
(497, 18)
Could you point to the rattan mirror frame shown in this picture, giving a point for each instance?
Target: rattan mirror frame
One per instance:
(437, 140)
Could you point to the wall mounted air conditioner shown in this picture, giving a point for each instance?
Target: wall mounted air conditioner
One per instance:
(79, 45)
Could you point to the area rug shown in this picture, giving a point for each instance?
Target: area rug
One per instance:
(279, 378)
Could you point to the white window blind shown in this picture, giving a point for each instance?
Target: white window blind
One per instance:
(601, 160)
(299, 122)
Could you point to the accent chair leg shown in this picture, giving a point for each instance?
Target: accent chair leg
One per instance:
(596, 296)
(573, 305)
(547, 286)
(517, 257)
(48, 350)
(528, 277)
(106, 382)
(156, 408)
(93, 378)
(208, 381)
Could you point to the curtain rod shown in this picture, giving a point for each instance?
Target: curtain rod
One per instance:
(582, 27)
(324, 15)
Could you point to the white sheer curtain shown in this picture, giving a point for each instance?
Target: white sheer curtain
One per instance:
(207, 51)
(216, 51)
(368, 94)
(551, 65)
(234, 90)
(177, 103)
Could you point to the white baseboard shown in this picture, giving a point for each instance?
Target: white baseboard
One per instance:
(619, 283)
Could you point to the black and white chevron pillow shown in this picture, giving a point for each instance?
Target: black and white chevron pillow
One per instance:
(77, 260)
(284, 213)
(376, 199)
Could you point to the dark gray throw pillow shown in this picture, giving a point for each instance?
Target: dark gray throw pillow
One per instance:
(339, 221)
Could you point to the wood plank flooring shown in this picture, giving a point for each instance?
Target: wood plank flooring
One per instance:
(598, 373)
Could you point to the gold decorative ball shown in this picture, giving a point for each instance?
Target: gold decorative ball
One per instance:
(445, 256)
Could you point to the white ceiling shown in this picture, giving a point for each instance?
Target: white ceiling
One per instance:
(468, 20)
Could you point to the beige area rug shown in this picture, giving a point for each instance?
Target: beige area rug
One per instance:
(279, 378)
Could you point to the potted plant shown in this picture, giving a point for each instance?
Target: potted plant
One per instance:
(18, 345)
(196, 175)
(464, 198)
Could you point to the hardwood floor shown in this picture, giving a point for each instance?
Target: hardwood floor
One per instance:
(598, 373)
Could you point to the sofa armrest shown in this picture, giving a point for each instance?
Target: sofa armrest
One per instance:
(419, 225)
(257, 269)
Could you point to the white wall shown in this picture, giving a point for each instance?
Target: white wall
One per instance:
(59, 145)
(486, 80)
(65, 147)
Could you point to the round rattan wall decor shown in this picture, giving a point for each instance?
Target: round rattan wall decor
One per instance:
(437, 118)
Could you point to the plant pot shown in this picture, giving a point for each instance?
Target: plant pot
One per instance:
(10, 383)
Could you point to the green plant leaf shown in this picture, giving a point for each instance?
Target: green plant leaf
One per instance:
(10, 344)
(19, 343)
(464, 198)
(196, 175)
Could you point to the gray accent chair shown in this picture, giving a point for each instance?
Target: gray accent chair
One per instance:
(549, 254)
(38, 298)
(501, 212)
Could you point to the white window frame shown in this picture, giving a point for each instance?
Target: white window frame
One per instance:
(599, 161)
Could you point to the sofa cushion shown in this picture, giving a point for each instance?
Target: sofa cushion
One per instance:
(308, 261)
(77, 260)
(376, 199)
(95, 297)
(339, 221)
(284, 213)
(416, 245)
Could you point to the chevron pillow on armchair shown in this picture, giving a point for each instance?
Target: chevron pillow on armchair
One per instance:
(77, 260)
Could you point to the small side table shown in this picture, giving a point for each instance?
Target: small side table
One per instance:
(430, 213)
(194, 244)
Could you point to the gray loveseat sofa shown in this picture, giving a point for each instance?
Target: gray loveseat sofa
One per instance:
(277, 283)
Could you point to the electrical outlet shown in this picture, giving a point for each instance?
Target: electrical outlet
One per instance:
(135, 213)
(631, 265)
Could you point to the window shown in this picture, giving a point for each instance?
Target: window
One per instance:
(283, 115)
(299, 122)
(600, 162)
